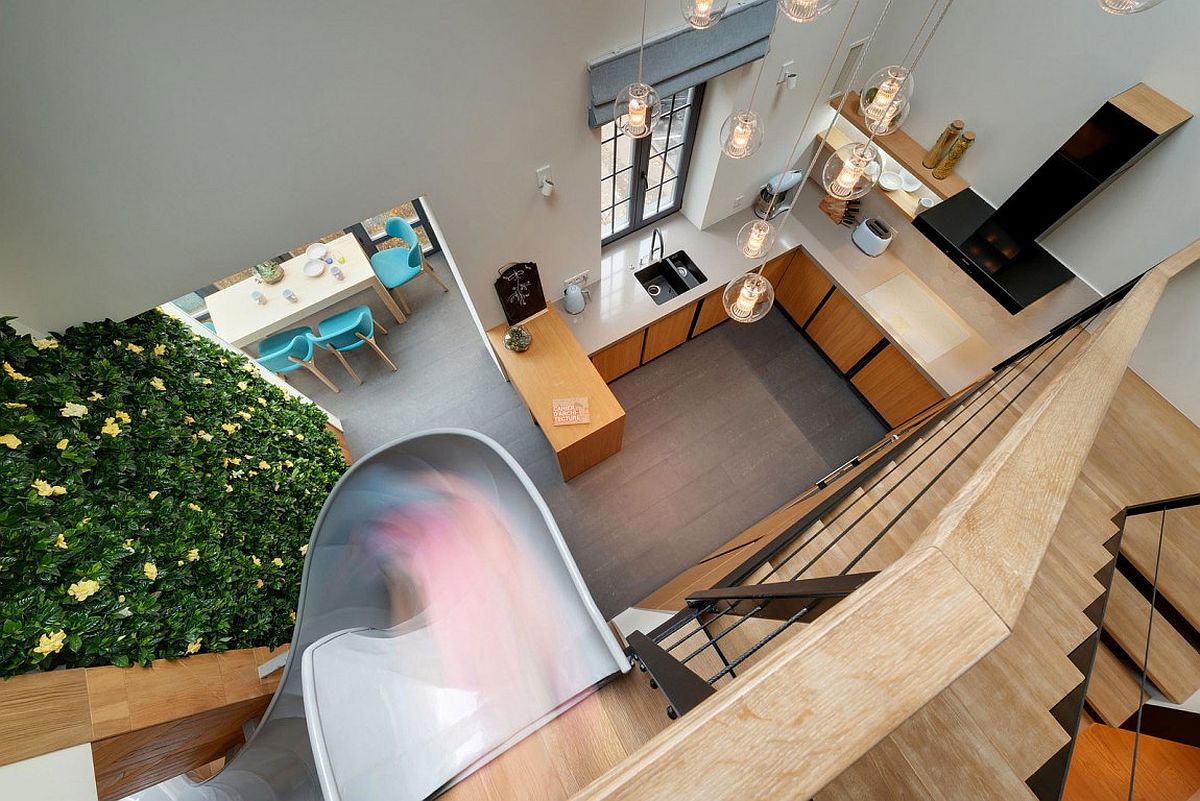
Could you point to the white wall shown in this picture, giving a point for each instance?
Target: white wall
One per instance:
(65, 775)
(1025, 74)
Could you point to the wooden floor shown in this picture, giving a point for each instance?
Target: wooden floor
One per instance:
(1166, 771)
(998, 714)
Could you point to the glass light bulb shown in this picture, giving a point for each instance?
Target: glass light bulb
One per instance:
(884, 100)
(1123, 7)
(852, 170)
(741, 135)
(748, 297)
(805, 10)
(701, 14)
(755, 239)
(636, 109)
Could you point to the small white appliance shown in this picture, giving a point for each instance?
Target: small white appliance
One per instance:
(873, 236)
(573, 300)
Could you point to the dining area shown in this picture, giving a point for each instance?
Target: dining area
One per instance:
(283, 314)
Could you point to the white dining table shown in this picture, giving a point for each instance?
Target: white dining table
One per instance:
(240, 320)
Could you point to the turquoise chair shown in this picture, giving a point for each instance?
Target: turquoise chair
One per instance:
(349, 330)
(290, 350)
(396, 266)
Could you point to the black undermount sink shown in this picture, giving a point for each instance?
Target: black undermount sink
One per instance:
(670, 277)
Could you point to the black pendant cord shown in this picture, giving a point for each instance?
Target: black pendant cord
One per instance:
(1137, 731)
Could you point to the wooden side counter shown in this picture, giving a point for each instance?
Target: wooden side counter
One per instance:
(556, 367)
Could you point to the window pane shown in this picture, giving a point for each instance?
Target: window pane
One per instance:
(661, 198)
(606, 186)
(650, 207)
(673, 157)
(608, 130)
(624, 179)
(624, 146)
(606, 158)
(621, 217)
(679, 127)
(605, 223)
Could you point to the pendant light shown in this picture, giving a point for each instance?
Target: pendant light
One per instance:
(742, 131)
(750, 296)
(701, 14)
(638, 106)
(805, 10)
(1124, 7)
(853, 170)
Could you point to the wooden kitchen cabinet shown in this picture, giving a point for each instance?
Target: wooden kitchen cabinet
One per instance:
(802, 288)
(844, 333)
(894, 387)
(668, 332)
(712, 312)
(620, 357)
(775, 269)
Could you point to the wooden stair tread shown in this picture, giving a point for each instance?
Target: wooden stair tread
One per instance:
(1174, 665)
(1179, 567)
(1100, 766)
(1114, 689)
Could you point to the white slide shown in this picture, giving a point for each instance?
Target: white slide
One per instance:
(441, 619)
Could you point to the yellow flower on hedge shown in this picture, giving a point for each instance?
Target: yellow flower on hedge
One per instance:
(193, 554)
(304, 549)
(157, 383)
(229, 488)
(14, 405)
(204, 435)
(110, 427)
(277, 562)
(262, 401)
(193, 647)
(153, 494)
(234, 460)
(45, 489)
(122, 416)
(132, 348)
(150, 571)
(242, 385)
(206, 381)
(120, 599)
(50, 643)
(244, 415)
(45, 344)
(61, 444)
(195, 507)
(248, 367)
(292, 615)
(160, 349)
(256, 560)
(222, 361)
(117, 342)
(253, 472)
(95, 396)
(229, 428)
(13, 374)
(300, 437)
(73, 409)
(11, 440)
(187, 418)
(128, 545)
(263, 466)
(61, 542)
(258, 583)
(288, 463)
(83, 590)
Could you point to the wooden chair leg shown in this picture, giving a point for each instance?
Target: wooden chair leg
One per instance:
(371, 341)
(396, 293)
(378, 325)
(346, 364)
(427, 268)
(312, 368)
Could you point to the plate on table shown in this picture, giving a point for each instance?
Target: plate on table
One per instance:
(890, 181)
(314, 267)
(316, 250)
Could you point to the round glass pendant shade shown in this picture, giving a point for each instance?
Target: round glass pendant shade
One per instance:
(886, 99)
(748, 298)
(755, 239)
(805, 10)
(852, 170)
(741, 135)
(701, 14)
(636, 110)
(1127, 6)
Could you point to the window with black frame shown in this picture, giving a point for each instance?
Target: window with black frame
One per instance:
(642, 180)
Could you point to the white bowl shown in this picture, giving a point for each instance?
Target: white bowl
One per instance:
(890, 181)
(316, 250)
(908, 183)
(928, 203)
(314, 267)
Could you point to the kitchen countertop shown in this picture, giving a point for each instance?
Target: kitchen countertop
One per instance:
(911, 315)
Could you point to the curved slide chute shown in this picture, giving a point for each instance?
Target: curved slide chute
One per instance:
(441, 619)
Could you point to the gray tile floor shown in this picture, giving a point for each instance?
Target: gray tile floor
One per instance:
(718, 433)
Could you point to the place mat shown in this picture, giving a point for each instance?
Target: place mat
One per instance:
(570, 411)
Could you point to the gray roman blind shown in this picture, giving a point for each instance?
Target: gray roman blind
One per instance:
(683, 58)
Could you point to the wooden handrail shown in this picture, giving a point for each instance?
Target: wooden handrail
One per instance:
(822, 699)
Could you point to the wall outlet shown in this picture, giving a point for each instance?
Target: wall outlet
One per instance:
(786, 70)
(544, 174)
(738, 201)
(580, 280)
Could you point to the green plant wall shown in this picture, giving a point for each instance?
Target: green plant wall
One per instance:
(156, 496)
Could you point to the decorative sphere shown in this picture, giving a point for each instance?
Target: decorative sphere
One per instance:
(517, 339)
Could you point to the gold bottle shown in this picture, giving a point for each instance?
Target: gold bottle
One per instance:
(946, 165)
(943, 144)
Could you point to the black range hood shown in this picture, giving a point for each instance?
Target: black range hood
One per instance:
(998, 247)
